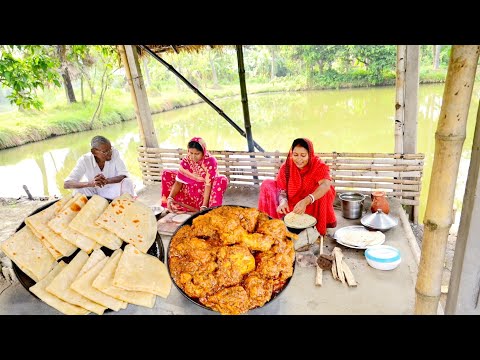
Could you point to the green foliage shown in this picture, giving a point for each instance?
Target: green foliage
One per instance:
(213, 71)
(24, 69)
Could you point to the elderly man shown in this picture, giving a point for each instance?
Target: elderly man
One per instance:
(101, 172)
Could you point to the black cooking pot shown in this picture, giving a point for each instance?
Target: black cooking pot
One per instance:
(189, 221)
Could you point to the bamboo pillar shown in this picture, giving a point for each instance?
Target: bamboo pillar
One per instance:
(143, 113)
(463, 290)
(449, 139)
(411, 99)
(243, 91)
(400, 98)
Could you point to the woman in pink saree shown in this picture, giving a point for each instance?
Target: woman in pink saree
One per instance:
(195, 185)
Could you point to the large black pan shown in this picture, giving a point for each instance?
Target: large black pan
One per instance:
(189, 221)
(156, 249)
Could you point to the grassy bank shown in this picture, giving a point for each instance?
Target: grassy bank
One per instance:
(59, 118)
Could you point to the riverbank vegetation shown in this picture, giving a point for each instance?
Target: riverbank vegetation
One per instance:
(54, 90)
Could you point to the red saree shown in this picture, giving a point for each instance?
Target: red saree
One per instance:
(298, 183)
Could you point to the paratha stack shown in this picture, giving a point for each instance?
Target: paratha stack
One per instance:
(131, 221)
(84, 223)
(38, 224)
(29, 254)
(59, 224)
(92, 283)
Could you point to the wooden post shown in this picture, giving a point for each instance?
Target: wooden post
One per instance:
(449, 139)
(243, 91)
(411, 99)
(400, 98)
(129, 57)
(463, 290)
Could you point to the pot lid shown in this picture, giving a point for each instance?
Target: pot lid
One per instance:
(379, 221)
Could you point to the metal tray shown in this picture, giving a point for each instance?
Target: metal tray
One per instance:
(189, 221)
(156, 250)
(360, 228)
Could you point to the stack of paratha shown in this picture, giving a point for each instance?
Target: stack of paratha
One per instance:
(91, 281)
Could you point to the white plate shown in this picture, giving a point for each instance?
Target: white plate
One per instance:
(157, 209)
(340, 232)
(180, 218)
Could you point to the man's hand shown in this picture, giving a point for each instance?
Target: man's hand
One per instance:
(100, 180)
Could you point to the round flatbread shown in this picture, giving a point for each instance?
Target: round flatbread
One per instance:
(297, 221)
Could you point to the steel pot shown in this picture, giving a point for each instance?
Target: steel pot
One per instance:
(352, 204)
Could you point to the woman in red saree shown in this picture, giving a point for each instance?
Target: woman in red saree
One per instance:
(195, 185)
(303, 185)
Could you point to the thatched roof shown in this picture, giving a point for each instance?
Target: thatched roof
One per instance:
(158, 49)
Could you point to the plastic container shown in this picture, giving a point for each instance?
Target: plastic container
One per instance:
(383, 257)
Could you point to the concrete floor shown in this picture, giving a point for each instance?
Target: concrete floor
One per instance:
(378, 292)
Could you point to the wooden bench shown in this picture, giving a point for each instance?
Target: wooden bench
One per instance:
(399, 175)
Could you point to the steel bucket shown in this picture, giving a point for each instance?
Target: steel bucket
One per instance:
(352, 204)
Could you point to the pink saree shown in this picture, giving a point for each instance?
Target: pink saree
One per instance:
(194, 176)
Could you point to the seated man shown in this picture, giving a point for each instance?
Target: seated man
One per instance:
(101, 172)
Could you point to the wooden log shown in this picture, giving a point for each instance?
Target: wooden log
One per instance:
(337, 252)
(319, 277)
(334, 269)
(348, 274)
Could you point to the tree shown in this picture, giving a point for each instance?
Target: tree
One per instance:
(436, 57)
(67, 82)
(25, 68)
(376, 58)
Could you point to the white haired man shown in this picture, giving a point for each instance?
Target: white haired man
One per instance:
(101, 172)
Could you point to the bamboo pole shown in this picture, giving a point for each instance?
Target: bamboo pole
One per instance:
(449, 139)
(400, 98)
(199, 93)
(144, 114)
(128, 74)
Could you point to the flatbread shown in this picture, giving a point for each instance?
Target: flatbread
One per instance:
(298, 221)
(104, 283)
(64, 307)
(361, 238)
(28, 253)
(84, 223)
(131, 220)
(60, 285)
(83, 285)
(62, 202)
(39, 222)
(62, 219)
(137, 271)
(95, 257)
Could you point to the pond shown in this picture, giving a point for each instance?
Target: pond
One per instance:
(352, 120)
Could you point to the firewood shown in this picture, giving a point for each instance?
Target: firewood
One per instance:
(337, 252)
(319, 277)
(334, 270)
(348, 274)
